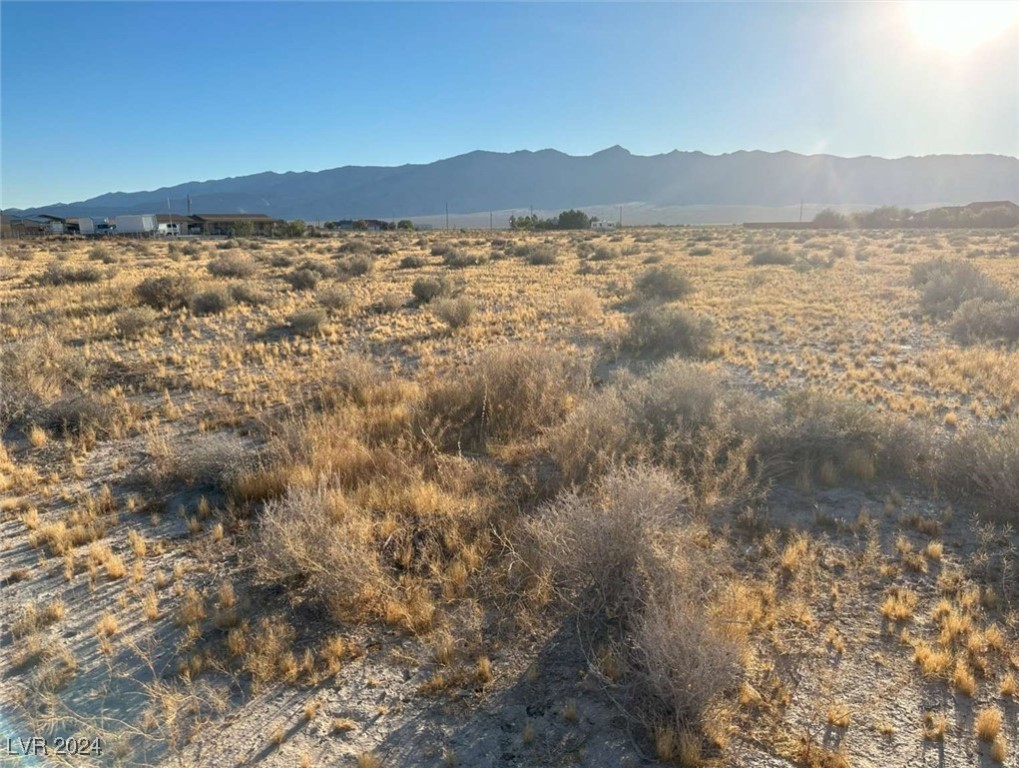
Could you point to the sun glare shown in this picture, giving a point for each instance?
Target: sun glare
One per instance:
(960, 27)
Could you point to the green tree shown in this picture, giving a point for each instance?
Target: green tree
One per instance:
(361, 225)
(574, 220)
(295, 228)
(405, 224)
(830, 219)
(242, 229)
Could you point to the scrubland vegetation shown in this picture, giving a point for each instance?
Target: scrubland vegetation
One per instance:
(691, 496)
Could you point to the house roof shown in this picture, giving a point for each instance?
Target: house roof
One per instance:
(176, 218)
(993, 204)
(219, 217)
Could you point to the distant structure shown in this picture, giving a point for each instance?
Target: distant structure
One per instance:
(602, 225)
(144, 225)
(363, 225)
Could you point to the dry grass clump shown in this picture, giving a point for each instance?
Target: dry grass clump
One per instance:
(988, 723)
(658, 330)
(509, 393)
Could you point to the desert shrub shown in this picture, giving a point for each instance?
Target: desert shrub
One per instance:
(508, 393)
(308, 322)
(458, 259)
(686, 662)
(317, 540)
(625, 555)
(191, 249)
(660, 330)
(986, 320)
(982, 464)
(62, 274)
(323, 269)
(701, 250)
(456, 313)
(359, 380)
(354, 246)
(679, 416)
(945, 285)
(102, 253)
(166, 292)
(135, 321)
(233, 264)
(388, 303)
(303, 279)
(542, 255)
(581, 303)
(354, 266)
(37, 371)
(441, 249)
(246, 293)
(211, 302)
(604, 253)
(772, 255)
(78, 413)
(427, 288)
(212, 461)
(665, 283)
(814, 428)
(412, 262)
(335, 298)
(593, 545)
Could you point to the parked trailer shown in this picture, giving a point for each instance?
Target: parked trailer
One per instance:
(144, 224)
(86, 226)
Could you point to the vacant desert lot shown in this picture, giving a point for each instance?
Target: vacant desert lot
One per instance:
(682, 496)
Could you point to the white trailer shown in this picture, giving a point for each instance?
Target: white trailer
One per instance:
(86, 226)
(144, 224)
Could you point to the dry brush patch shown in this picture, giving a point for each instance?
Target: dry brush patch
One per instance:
(371, 472)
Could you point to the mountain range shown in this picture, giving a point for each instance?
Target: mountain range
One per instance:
(551, 180)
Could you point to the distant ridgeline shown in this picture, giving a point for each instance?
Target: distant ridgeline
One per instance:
(993, 215)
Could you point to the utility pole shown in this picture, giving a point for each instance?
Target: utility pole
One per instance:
(490, 227)
(447, 217)
(801, 210)
(170, 211)
(620, 216)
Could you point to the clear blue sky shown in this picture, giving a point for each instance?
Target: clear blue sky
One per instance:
(129, 96)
